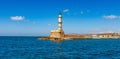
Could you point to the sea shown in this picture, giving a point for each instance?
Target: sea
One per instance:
(28, 47)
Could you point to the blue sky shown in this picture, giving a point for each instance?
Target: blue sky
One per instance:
(39, 17)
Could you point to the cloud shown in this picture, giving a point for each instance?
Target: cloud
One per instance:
(66, 10)
(84, 11)
(17, 18)
(111, 17)
(81, 12)
(49, 25)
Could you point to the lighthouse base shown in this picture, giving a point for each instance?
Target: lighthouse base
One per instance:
(57, 34)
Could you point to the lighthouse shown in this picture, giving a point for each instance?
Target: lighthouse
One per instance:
(59, 33)
(60, 22)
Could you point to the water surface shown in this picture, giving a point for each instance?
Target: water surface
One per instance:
(32, 48)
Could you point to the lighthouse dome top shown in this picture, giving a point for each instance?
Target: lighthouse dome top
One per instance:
(60, 13)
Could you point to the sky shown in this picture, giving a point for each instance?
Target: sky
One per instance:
(39, 17)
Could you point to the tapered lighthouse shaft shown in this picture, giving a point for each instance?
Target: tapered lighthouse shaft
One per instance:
(60, 21)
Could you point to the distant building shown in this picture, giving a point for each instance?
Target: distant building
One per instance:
(106, 35)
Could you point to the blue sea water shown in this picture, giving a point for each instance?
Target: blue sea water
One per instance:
(32, 48)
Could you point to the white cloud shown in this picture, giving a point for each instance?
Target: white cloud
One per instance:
(66, 10)
(81, 12)
(49, 25)
(17, 18)
(111, 17)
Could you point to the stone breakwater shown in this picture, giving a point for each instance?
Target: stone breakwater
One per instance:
(67, 37)
(70, 37)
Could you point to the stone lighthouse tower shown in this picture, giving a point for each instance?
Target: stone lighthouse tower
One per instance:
(60, 22)
(59, 33)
